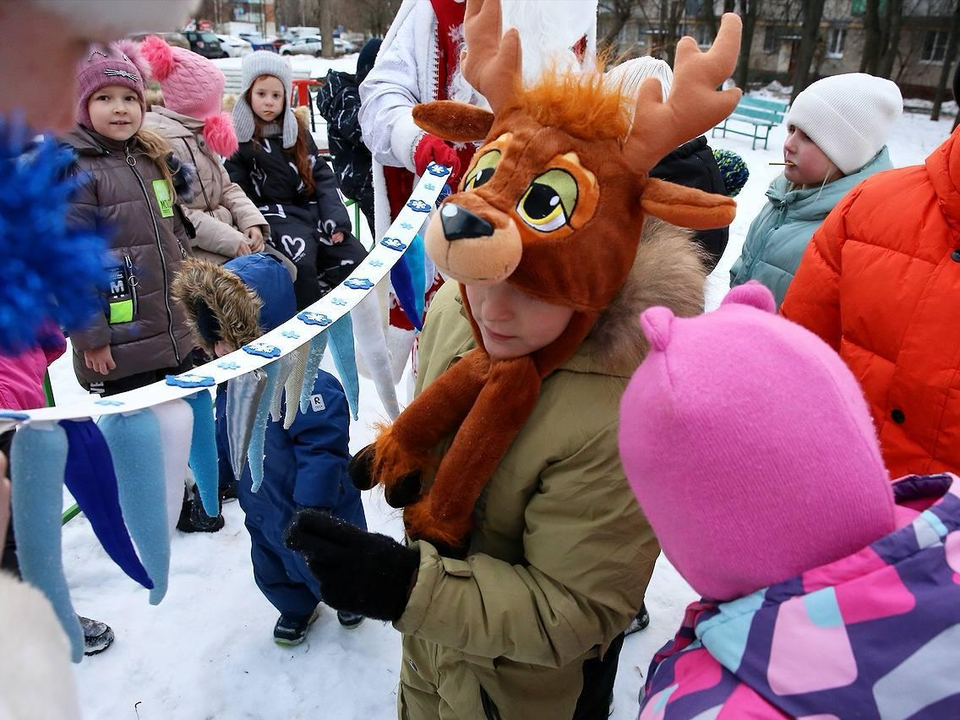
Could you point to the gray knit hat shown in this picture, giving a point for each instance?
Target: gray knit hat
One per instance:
(263, 62)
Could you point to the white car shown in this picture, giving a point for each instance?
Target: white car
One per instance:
(311, 45)
(235, 46)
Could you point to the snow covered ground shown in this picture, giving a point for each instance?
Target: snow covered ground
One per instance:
(207, 651)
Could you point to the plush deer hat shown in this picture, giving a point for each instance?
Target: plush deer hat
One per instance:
(553, 203)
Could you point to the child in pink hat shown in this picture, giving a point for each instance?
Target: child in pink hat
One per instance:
(227, 222)
(751, 449)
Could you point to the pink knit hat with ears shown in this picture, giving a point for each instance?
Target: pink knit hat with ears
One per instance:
(115, 64)
(192, 86)
(750, 447)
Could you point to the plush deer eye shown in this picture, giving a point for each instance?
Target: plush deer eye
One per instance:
(483, 171)
(549, 201)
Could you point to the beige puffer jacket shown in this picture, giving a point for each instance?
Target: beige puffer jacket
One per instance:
(220, 212)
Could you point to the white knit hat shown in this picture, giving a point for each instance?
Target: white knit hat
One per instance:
(848, 116)
(633, 72)
(264, 62)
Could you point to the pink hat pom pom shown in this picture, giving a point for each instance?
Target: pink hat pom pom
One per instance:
(159, 55)
(220, 136)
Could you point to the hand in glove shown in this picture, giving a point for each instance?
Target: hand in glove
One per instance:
(358, 571)
(433, 149)
(399, 492)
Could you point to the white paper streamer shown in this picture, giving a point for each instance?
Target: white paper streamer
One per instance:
(280, 341)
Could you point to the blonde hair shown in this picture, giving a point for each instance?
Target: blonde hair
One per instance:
(157, 148)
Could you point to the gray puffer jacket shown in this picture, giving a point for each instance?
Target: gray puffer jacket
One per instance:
(127, 199)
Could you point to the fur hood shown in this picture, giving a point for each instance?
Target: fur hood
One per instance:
(668, 270)
(235, 306)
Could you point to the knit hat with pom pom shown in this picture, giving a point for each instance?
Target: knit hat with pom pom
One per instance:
(192, 86)
(750, 447)
(115, 64)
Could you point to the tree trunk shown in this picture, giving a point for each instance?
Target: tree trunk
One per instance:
(894, 23)
(749, 9)
(620, 10)
(809, 32)
(948, 62)
(709, 16)
(326, 28)
(729, 5)
(871, 43)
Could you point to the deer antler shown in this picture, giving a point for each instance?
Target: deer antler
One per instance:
(693, 106)
(491, 64)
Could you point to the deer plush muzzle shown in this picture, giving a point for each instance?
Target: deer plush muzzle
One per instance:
(473, 242)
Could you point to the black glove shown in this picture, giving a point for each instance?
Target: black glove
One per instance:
(399, 493)
(360, 572)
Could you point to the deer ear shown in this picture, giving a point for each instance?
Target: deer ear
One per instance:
(454, 121)
(686, 207)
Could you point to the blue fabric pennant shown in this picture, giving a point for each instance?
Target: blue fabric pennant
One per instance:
(203, 451)
(402, 280)
(38, 459)
(90, 478)
(345, 360)
(134, 442)
(255, 448)
(318, 346)
(416, 257)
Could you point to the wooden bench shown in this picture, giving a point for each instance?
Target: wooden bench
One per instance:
(762, 114)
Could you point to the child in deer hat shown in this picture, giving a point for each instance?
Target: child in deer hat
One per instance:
(827, 592)
(531, 556)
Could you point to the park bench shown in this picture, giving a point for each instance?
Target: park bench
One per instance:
(764, 115)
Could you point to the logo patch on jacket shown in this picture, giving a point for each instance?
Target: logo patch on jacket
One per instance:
(316, 403)
(161, 188)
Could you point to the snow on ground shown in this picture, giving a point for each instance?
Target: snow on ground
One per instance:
(207, 651)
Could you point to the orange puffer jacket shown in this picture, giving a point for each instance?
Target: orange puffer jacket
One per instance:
(880, 282)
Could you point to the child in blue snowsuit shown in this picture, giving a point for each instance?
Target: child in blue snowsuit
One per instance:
(303, 466)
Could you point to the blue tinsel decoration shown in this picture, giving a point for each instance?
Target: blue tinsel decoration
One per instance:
(49, 270)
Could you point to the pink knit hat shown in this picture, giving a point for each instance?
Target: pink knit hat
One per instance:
(116, 64)
(750, 447)
(192, 86)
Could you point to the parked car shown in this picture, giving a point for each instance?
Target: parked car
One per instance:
(206, 43)
(235, 46)
(174, 39)
(258, 42)
(312, 45)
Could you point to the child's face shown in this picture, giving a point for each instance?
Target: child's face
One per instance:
(222, 348)
(266, 98)
(513, 323)
(810, 165)
(115, 112)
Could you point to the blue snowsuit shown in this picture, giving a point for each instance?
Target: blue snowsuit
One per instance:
(305, 466)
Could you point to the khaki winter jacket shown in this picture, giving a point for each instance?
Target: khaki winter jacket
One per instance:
(220, 211)
(126, 196)
(561, 554)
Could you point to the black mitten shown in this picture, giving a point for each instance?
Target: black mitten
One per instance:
(360, 572)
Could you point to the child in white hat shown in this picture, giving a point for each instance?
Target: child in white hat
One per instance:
(837, 131)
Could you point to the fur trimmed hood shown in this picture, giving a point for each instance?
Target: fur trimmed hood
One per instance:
(235, 306)
(668, 270)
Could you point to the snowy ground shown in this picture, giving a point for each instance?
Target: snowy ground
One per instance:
(207, 650)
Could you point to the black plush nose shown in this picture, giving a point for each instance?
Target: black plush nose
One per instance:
(459, 223)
